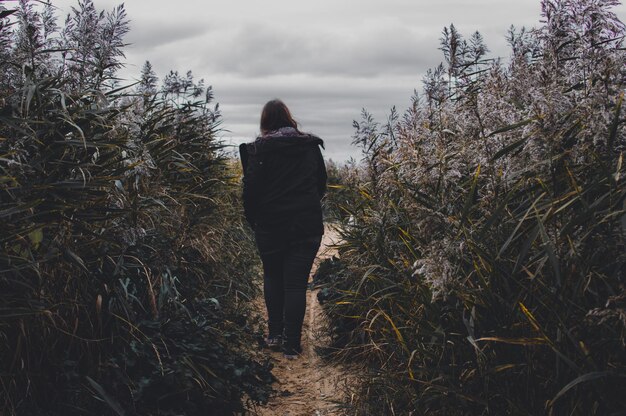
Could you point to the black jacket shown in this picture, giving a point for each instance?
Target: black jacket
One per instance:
(283, 183)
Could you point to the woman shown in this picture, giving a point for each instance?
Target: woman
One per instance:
(284, 181)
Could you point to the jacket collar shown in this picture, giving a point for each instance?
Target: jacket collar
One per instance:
(269, 143)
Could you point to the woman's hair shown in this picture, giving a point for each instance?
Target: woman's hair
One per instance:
(275, 115)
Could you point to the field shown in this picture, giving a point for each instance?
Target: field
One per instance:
(481, 269)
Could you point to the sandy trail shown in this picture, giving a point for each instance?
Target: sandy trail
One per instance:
(308, 385)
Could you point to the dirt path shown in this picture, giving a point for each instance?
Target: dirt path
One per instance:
(308, 385)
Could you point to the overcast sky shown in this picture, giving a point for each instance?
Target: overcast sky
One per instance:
(327, 59)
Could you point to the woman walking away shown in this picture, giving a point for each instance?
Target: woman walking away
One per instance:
(284, 181)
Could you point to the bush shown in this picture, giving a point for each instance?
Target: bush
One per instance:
(485, 256)
(126, 272)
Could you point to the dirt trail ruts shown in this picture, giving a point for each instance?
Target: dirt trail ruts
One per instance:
(307, 385)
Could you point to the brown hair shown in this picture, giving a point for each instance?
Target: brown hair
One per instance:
(275, 115)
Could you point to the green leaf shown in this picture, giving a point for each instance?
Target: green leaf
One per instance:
(582, 379)
(105, 397)
(470, 197)
(509, 148)
(76, 259)
(615, 123)
(6, 13)
(36, 236)
(511, 127)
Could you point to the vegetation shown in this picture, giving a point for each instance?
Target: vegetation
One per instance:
(484, 258)
(482, 270)
(342, 178)
(125, 270)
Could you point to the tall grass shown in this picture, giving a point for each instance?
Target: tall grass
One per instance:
(125, 269)
(483, 266)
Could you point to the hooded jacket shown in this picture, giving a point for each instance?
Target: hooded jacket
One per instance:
(283, 183)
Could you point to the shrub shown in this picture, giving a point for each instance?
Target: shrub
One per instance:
(485, 260)
(125, 269)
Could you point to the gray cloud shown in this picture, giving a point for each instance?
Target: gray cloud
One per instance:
(262, 50)
(149, 34)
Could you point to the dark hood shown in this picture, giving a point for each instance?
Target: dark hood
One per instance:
(282, 143)
(286, 144)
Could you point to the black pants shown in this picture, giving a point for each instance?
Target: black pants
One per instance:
(287, 264)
